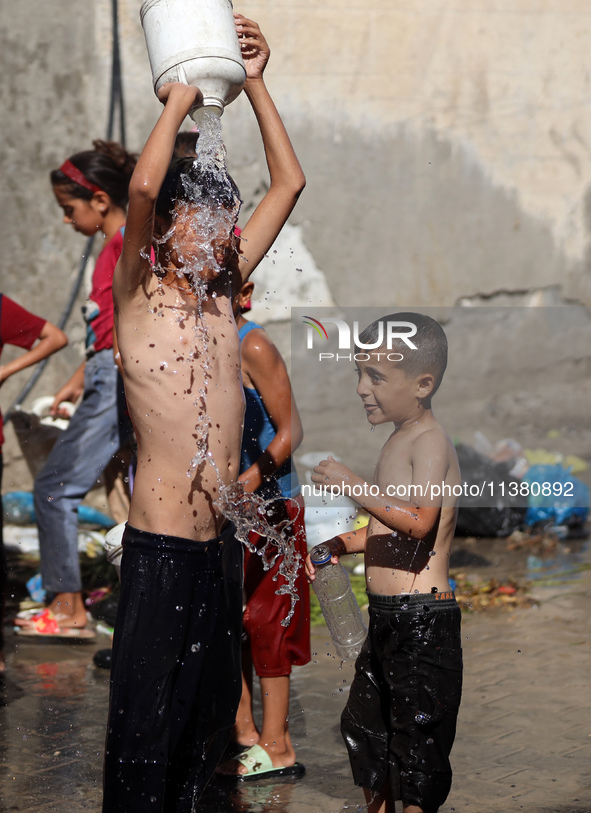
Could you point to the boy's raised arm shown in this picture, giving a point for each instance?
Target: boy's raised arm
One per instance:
(146, 182)
(287, 177)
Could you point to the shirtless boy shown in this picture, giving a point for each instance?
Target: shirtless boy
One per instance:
(399, 723)
(176, 651)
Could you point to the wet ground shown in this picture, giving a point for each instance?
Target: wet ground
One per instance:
(524, 736)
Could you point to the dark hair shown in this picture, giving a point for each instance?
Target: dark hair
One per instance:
(430, 340)
(185, 144)
(187, 180)
(108, 166)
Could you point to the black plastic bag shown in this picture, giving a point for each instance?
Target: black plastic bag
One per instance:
(496, 512)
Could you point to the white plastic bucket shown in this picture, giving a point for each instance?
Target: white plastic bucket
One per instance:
(113, 546)
(333, 516)
(36, 430)
(195, 42)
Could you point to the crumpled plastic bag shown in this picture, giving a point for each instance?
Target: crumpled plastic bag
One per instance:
(496, 515)
(568, 502)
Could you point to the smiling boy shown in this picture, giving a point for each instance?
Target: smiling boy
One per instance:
(399, 723)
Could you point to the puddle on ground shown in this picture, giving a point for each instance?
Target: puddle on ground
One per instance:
(562, 559)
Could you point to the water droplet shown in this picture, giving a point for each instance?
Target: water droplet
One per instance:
(179, 608)
(195, 647)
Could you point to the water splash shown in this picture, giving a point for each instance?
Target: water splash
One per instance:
(249, 512)
(201, 241)
(203, 219)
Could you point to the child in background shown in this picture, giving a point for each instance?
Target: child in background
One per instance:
(40, 339)
(185, 144)
(272, 432)
(91, 188)
(175, 681)
(400, 720)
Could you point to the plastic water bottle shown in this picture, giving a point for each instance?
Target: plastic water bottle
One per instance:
(338, 604)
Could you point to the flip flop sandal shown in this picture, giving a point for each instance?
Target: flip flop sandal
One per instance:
(29, 614)
(259, 765)
(44, 625)
(232, 751)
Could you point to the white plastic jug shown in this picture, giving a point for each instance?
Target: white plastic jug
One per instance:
(195, 42)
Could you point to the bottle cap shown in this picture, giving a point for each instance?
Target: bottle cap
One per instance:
(320, 555)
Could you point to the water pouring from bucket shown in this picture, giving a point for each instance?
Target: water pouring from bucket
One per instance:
(195, 42)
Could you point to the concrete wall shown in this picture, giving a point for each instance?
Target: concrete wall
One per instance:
(447, 148)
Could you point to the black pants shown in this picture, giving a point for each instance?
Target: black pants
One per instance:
(176, 679)
(400, 721)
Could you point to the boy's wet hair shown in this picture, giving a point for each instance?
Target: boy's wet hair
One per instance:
(108, 166)
(430, 340)
(187, 181)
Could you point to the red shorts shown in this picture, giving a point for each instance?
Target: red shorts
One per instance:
(275, 649)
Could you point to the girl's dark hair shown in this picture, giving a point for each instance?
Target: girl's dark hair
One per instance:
(187, 180)
(108, 166)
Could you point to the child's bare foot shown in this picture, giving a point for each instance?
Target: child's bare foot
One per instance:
(68, 610)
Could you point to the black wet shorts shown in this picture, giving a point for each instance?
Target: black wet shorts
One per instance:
(400, 721)
(176, 676)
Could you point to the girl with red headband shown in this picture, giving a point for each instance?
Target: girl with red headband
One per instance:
(91, 188)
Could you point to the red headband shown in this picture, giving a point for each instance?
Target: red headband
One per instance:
(74, 174)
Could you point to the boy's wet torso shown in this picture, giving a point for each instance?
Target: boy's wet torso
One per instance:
(181, 362)
(396, 562)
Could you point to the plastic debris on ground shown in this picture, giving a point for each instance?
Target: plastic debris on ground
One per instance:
(19, 509)
(26, 540)
(35, 588)
(542, 542)
(503, 513)
(556, 497)
(507, 451)
(475, 593)
(572, 462)
(548, 495)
